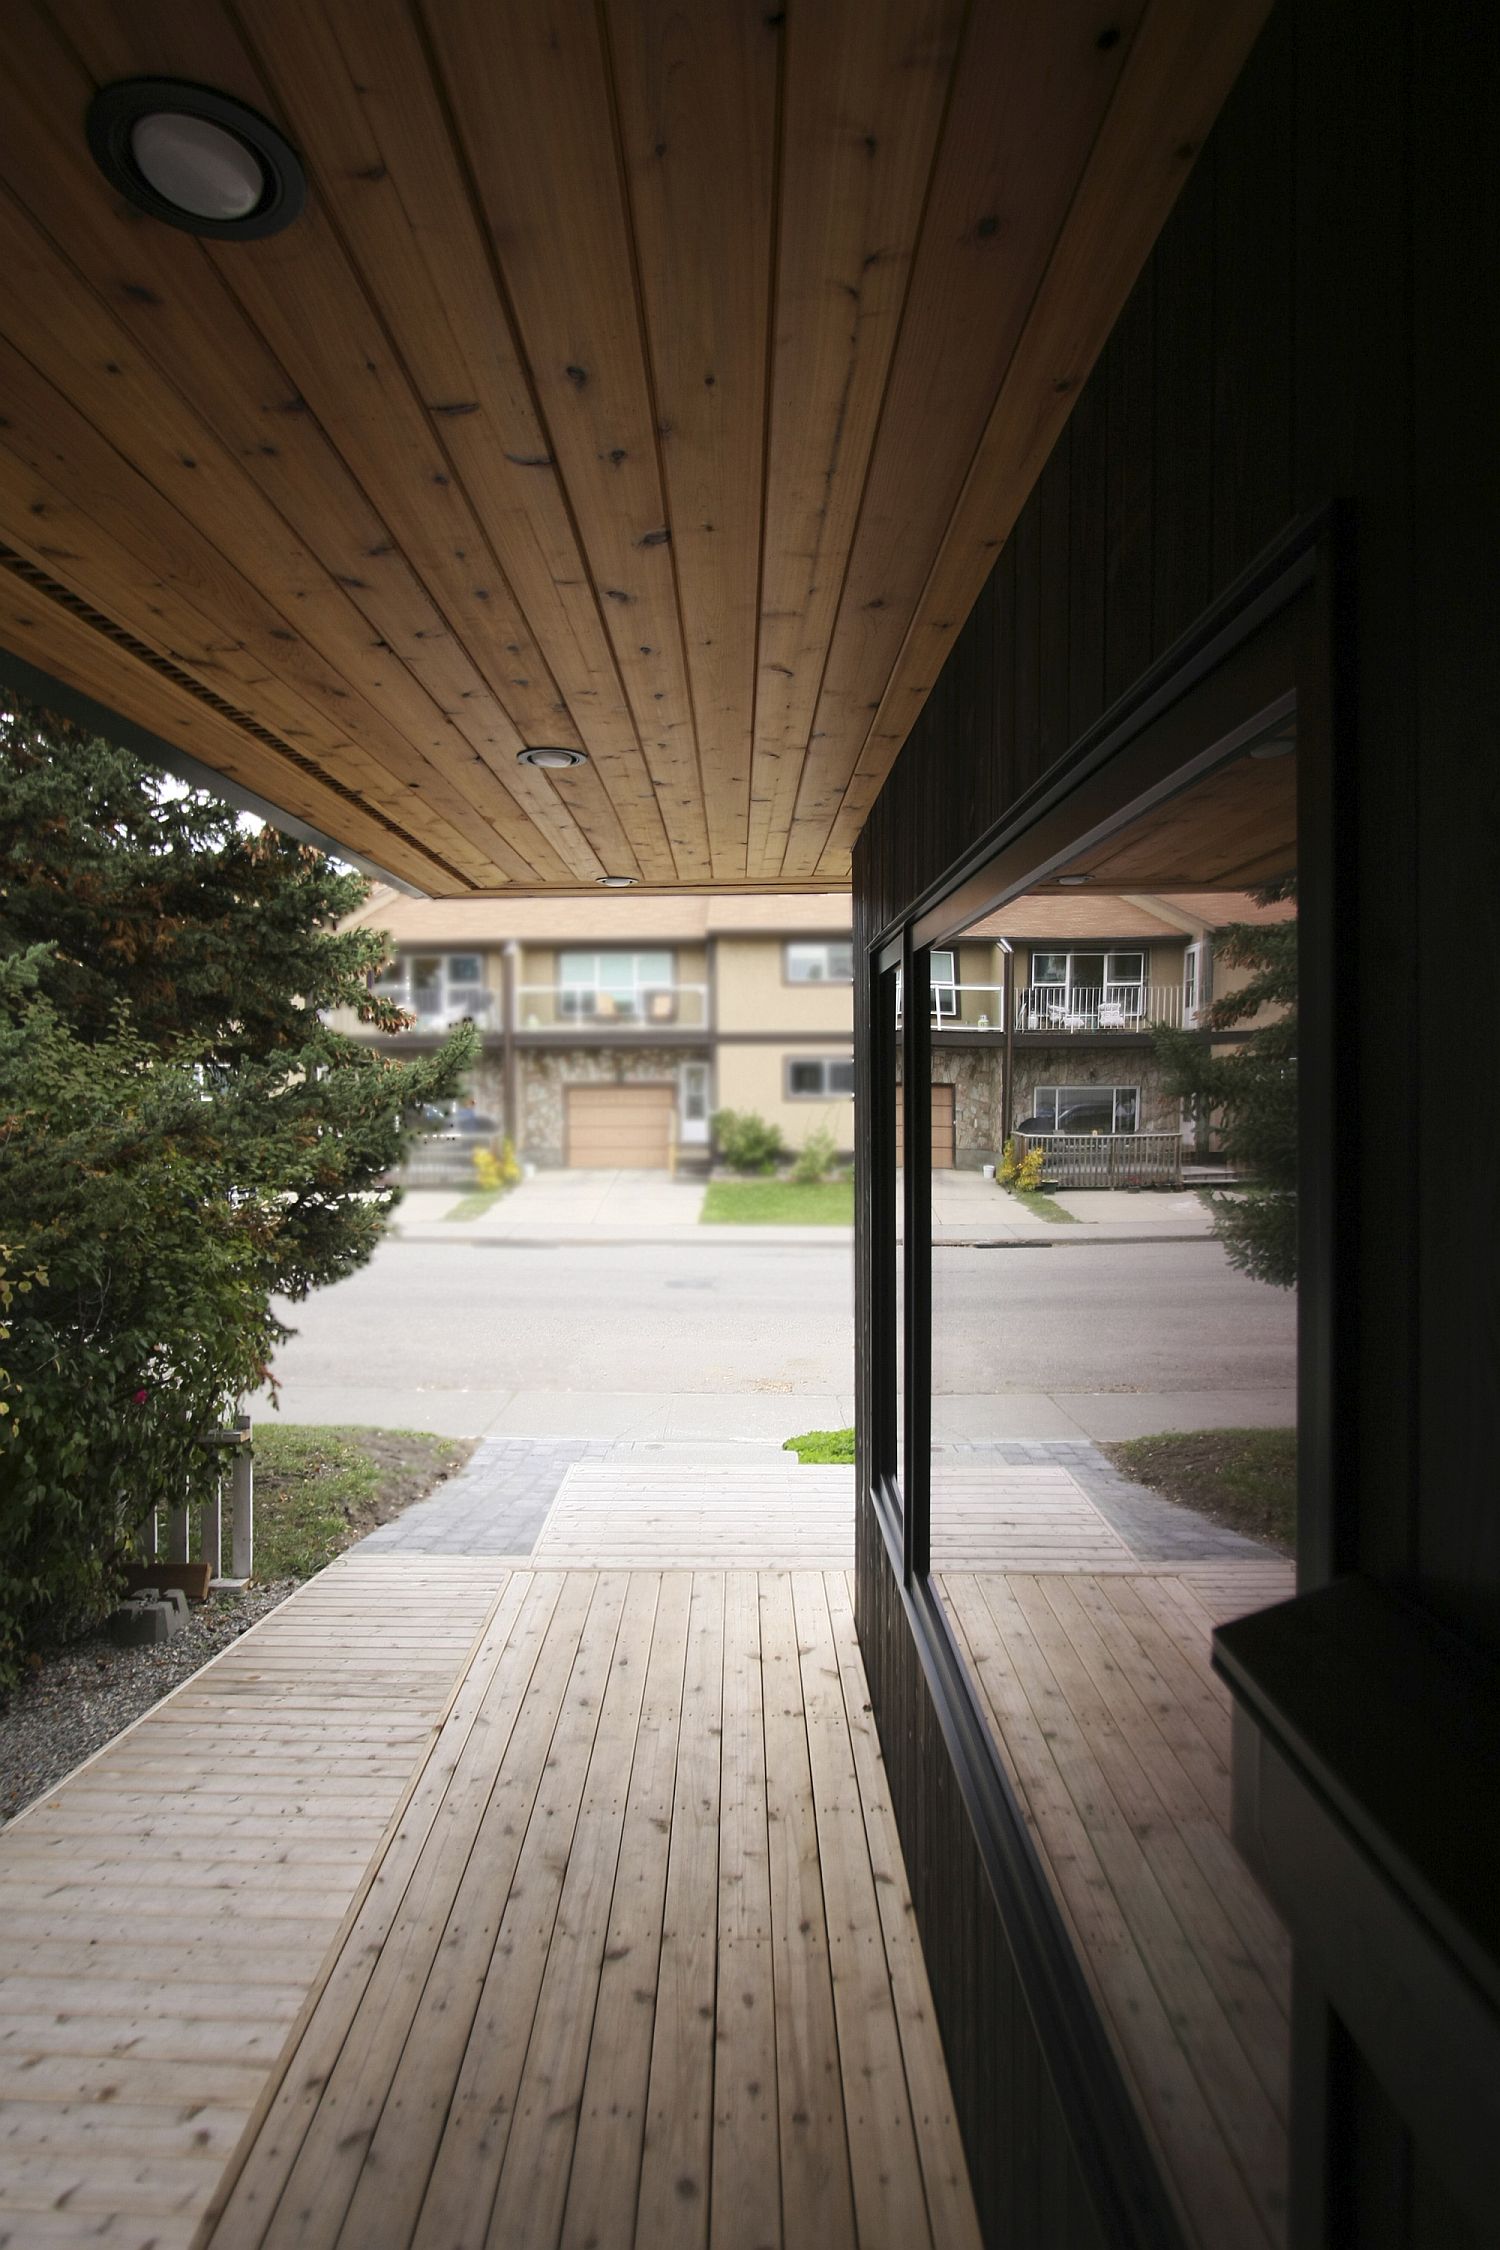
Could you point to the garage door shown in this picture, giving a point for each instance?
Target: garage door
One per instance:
(942, 1130)
(629, 1126)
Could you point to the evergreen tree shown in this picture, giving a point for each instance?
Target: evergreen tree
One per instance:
(183, 1136)
(1253, 1088)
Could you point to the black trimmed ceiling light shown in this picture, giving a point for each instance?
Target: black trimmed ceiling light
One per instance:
(195, 158)
(551, 756)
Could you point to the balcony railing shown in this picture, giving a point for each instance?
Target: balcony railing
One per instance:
(1056, 1008)
(1095, 1008)
(1105, 1160)
(574, 1007)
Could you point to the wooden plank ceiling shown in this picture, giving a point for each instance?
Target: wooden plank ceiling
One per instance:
(650, 378)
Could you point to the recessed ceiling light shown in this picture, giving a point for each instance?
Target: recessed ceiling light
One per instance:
(1071, 882)
(551, 755)
(1280, 746)
(195, 158)
(615, 882)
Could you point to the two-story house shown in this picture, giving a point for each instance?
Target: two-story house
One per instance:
(613, 1028)
(1065, 992)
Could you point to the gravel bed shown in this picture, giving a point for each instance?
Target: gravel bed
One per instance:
(83, 1695)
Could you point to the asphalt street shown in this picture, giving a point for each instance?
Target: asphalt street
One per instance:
(719, 1341)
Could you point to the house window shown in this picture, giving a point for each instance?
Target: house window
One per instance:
(439, 989)
(818, 962)
(1087, 1109)
(943, 978)
(1084, 991)
(616, 987)
(819, 1077)
(1195, 982)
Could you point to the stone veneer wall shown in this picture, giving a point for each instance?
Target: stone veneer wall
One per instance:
(975, 1074)
(546, 1076)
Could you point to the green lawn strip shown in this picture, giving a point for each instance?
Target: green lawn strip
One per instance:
(1243, 1479)
(778, 1203)
(1043, 1206)
(816, 1446)
(318, 1490)
(474, 1205)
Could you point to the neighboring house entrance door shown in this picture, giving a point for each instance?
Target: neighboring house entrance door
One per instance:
(942, 1130)
(625, 1126)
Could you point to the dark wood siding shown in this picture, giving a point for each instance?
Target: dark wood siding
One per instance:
(1315, 326)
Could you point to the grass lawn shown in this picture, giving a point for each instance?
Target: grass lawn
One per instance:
(822, 1445)
(474, 1205)
(1043, 1206)
(1243, 1479)
(318, 1490)
(778, 1203)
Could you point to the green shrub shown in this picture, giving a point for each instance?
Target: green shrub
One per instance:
(816, 1447)
(816, 1158)
(1009, 1165)
(1029, 1173)
(746, 1142)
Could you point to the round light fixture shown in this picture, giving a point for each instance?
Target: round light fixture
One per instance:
(615, 882)
(199, 160)
(1072, 882)
(552, 756)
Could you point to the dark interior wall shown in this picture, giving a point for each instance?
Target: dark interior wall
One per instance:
(1315, 327)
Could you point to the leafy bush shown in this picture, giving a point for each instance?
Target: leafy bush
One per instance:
(746, 1142)
(183, 1137)
(816, 1158)
(1009, 1165)
(1030, 1170)
(496, 1173)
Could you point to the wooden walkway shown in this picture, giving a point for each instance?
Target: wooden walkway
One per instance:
(1115, 1731)
(639, 1966)
(164, 1911)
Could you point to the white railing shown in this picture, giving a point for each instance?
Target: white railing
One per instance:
(1099, 1160)
(650, 1007)
(967, 1007)
(1107, 1007)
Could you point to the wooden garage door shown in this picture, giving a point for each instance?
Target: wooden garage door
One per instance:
(942, 1130)
(620, 1125)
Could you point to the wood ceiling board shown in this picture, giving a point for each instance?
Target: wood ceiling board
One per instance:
(696, 92)
(862, 107)
(1232, 831)
(529, 89)
(72, 652)
(75, 343)
(1031, 89)
(154, 573)
(1182, 62)
(352, 81)
(307, 357)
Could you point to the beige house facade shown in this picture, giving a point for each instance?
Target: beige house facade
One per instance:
(613, 1029)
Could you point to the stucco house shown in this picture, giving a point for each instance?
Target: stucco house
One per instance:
(1068, 990)
(613, 1028)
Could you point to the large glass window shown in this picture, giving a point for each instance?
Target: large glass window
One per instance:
(1083, 1512)
(615, 987)
(819, 961)
(439, 989)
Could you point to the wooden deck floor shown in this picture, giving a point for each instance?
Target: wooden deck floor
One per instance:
(1115, 1731)
(639, 1966)
(165, 1910)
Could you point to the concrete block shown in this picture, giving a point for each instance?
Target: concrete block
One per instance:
(139, 1624)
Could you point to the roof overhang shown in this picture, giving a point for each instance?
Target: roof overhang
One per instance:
(654, 382)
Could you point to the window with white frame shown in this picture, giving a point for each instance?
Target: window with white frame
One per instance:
(819, 961)
(1077, 990)
(942, 975)
(616, 987)
(1196, 981)
(439, 989)
(1087, 1109)
(819, 1077)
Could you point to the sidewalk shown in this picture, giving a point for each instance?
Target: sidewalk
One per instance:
(628, 1209)
(750, 1418)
